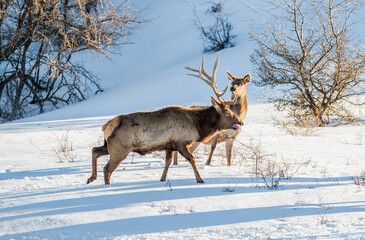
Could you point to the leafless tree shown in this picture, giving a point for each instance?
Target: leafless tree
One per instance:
(220, 34)
(308, 48)
(40, 42)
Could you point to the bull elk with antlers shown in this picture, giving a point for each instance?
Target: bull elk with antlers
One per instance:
(170, 129)
(239, 107)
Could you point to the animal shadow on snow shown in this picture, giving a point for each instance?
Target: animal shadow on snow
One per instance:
(171, 222)
(119, 195)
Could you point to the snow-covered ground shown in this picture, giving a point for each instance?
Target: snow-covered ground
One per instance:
(43, 193)
(43, 198)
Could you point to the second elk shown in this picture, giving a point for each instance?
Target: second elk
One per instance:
(239, 107)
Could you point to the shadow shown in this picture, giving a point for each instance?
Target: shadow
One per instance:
(46, 172)
(340, 122)
(137, 161)
(76, 124)
(162, 223)
(117, 196)
(120, 195)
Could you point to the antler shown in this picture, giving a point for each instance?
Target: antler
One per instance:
(231, 102)
(210, 80)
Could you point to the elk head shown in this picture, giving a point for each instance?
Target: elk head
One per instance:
(227, 117)
(238, 84)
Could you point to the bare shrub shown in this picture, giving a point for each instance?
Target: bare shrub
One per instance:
(323, 210)
(267, 166)
(251, 152)
(164, 207)
(274, 172)
(98, 142)
(301, 127)
(205, 149)
(308, 50)
(219, 35)
(64, 150)
(159, 154)
(360, 179)
(229, 189)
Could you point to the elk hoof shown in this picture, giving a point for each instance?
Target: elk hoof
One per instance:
(200, 181)
(90, 180)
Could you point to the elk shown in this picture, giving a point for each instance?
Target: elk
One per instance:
(238, 90)
(170, 129)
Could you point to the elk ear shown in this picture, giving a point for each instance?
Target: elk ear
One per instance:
(217, 105)
(247, 78)
(230, 76)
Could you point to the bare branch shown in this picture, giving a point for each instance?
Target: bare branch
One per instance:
(319, 65)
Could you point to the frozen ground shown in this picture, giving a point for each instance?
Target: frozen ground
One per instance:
(43, 198)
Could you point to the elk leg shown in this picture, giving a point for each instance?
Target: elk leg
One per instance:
(213, 144)
(192, 149)
(113, 163)
(176, 157)
(194, 146)
(185, 152)
(167, 164)
(96, 153)
(229, 147)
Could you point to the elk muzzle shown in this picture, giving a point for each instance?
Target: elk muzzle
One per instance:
(237, 127)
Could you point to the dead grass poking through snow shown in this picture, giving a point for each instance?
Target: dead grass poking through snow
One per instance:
(64, 150)
(302, 127)
(268, 167)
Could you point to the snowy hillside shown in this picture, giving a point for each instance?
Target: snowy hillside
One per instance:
(304, 189)
(150, 74)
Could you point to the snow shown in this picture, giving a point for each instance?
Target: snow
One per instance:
(42, 197)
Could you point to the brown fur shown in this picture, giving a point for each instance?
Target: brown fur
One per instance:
(170, 129)
(238, 89)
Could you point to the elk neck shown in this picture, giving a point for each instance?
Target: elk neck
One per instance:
(240, 108)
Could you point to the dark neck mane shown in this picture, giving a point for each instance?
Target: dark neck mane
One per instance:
(206, 122)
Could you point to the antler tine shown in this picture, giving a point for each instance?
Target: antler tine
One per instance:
(201, 72)
(213, 80)
(210, 80)
(215, 66)
(233, 101)
(220, 94)
(199, 76)
(204, 72)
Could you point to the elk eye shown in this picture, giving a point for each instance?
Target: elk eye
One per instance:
(228, 114)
